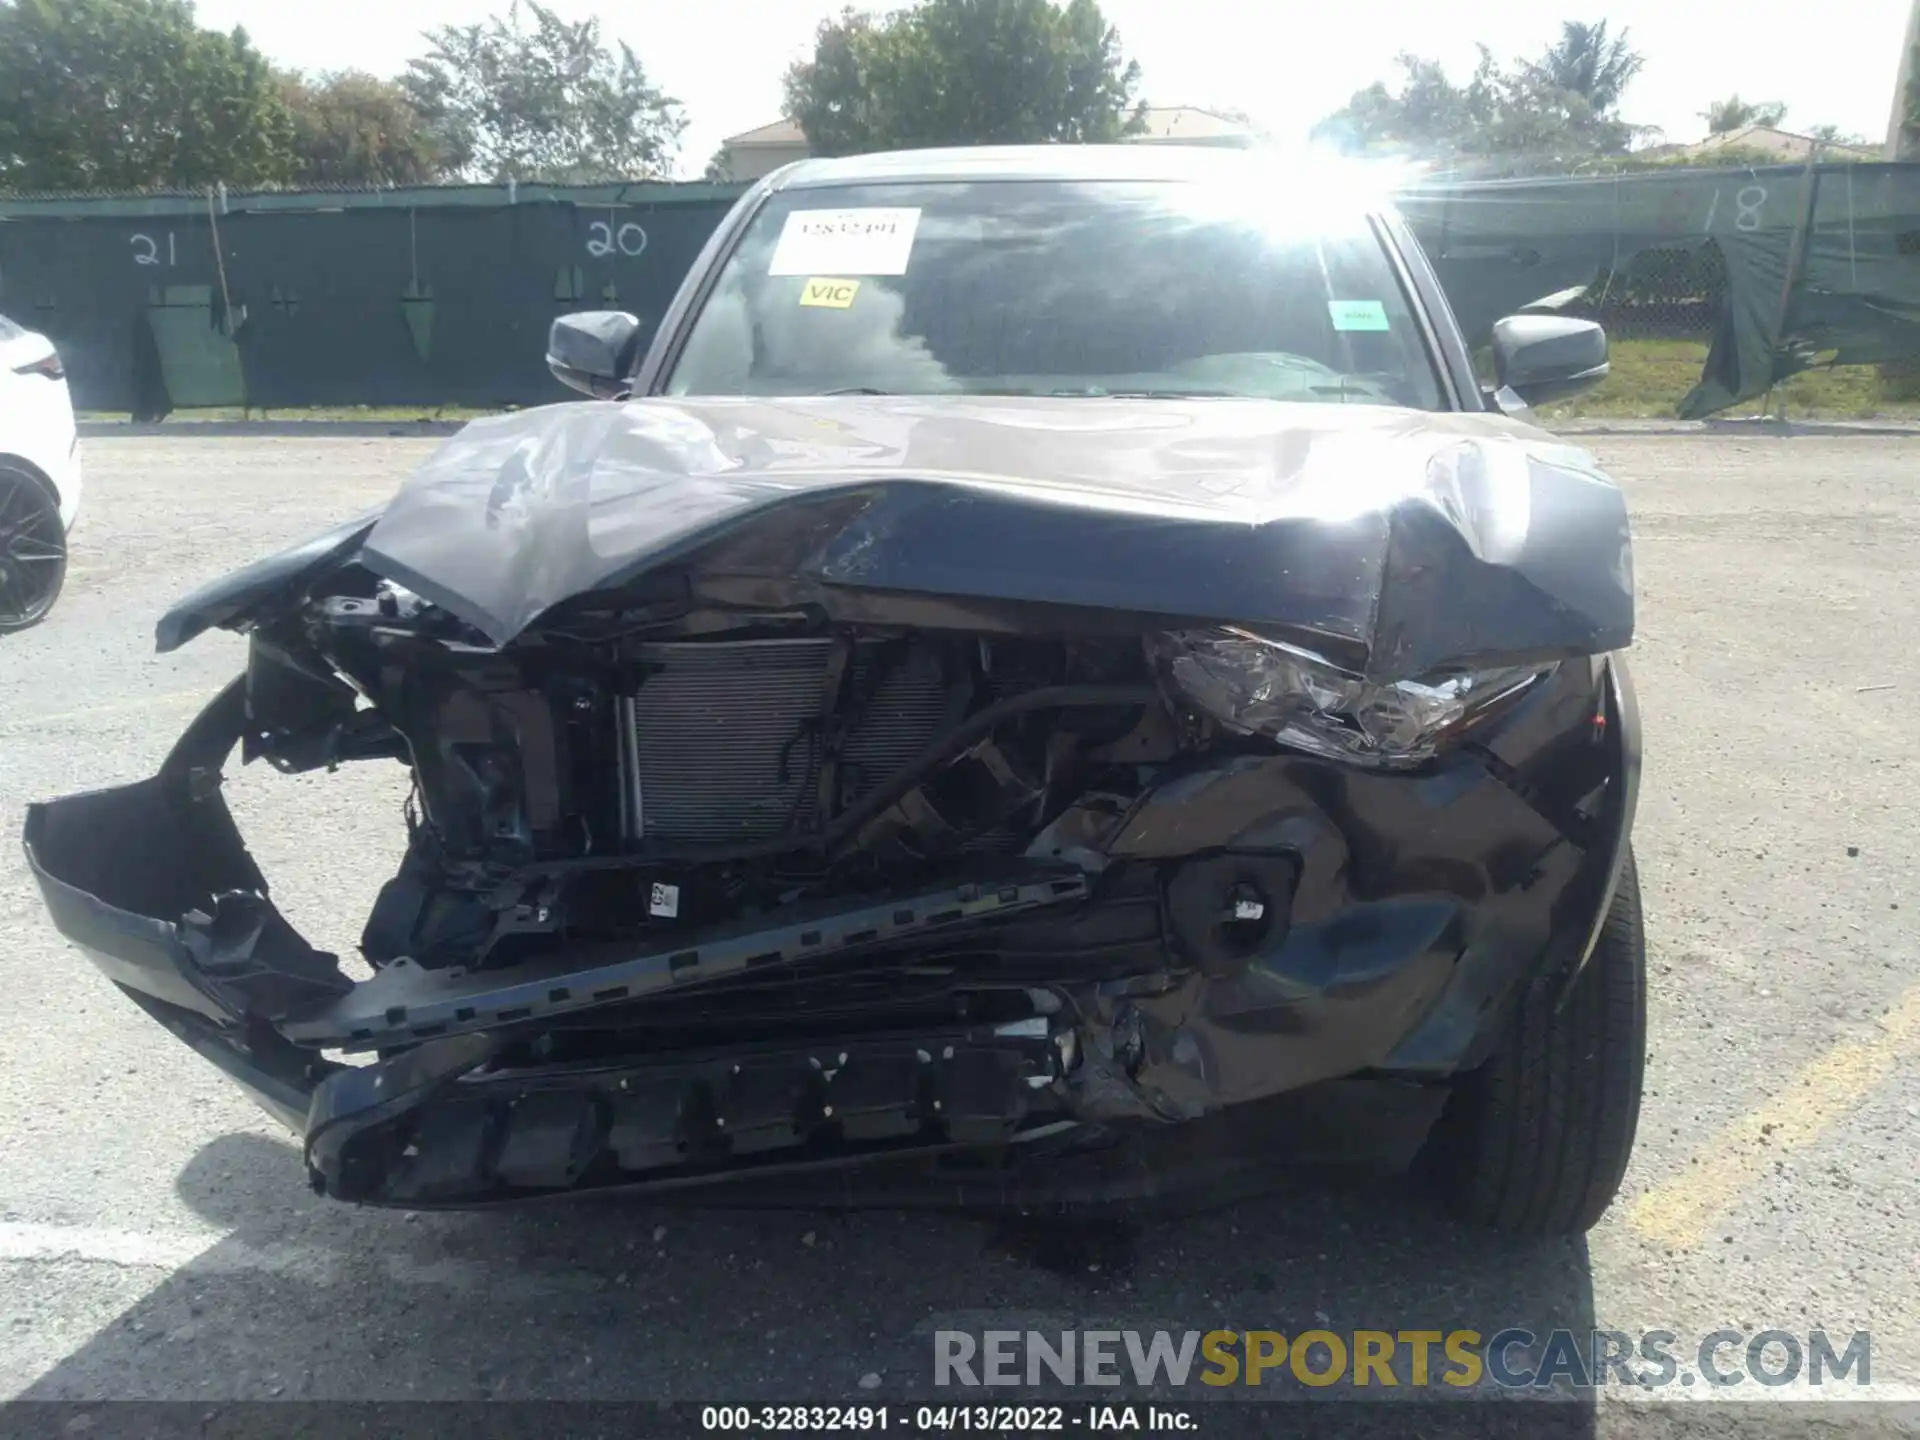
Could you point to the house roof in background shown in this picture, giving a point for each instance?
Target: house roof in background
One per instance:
(780, 132)
(1771, 138)
(1190, 122)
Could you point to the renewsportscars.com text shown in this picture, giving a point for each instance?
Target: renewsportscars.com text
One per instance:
(1415, 1359)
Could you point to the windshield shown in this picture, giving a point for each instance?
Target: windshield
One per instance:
(1057, 288)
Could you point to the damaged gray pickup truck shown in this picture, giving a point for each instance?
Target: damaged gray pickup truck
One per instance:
(1047, 681)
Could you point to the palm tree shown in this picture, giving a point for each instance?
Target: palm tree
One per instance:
(1590, 62)
(1733, 113)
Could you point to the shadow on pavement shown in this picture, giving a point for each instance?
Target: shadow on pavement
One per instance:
(609, 1301)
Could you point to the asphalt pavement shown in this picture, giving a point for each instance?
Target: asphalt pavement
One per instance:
(157, 1238)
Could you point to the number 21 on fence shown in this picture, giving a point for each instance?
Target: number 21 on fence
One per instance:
(603, 239)
(146, 250)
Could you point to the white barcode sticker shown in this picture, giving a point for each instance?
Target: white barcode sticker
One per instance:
(664, 901)
(873, 241)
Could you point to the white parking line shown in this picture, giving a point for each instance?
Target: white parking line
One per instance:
(22, 1241)
(177, 699)
(211, 1253)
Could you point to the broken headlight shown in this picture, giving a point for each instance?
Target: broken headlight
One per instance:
(1264, 687)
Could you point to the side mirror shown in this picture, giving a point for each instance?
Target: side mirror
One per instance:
(593, 352)
(28, 353)
(1547, 357)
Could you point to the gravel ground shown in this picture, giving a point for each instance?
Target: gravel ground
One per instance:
(157, 1238)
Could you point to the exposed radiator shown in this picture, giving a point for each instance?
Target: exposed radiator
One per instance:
(721, 742)
(899, 717)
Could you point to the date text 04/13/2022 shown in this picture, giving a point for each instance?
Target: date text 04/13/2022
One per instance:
(944, 1419)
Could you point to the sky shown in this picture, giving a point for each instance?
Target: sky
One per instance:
(1286, 63)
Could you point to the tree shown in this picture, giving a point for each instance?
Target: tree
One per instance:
(133, 95)
(1429, 109)
(1725, 116)
(1906, 137)
(1563, 104)
(1834, 135)
(552, 102)
(1589, 62)
(954, 72)
(352, 128)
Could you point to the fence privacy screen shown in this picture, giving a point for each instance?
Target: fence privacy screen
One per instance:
(1779, 268)
(442, 296)
(424, 298)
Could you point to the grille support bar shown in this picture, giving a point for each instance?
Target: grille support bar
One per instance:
(405, 1003)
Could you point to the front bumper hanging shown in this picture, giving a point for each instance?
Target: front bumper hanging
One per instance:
(1333, 1045)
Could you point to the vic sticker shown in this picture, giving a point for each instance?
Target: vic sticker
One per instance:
(1357, 314)
(872, 241)
(831, 294)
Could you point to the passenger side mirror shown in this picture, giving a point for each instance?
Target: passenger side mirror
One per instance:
(1541, 358)
(594, 352)
(26, 353)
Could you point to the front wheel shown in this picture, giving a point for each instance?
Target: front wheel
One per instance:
(1536, 1140)
(33, 549)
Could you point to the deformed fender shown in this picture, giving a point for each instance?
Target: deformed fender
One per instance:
(1610, 854)
(1422, 905)
(233, 598)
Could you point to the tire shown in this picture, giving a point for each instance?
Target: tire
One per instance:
(33, 549)
(1535, 1141)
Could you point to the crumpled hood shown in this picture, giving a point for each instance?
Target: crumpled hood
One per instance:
(1417, 540)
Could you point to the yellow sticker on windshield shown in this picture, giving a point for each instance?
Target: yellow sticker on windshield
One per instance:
(833, 294)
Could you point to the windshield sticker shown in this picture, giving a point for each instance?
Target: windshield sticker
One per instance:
(1358, 314)
(829, 294)
(845, 242)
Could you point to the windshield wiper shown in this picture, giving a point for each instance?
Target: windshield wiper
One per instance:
(1351, 389)
(1096, 392)
(1170, 395)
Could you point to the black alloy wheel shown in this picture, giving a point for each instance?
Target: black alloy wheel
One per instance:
(33, 550)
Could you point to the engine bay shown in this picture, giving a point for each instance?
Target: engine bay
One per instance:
(634, 772)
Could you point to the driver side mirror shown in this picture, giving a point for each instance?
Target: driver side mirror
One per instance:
(594, 352)
(1541, 358)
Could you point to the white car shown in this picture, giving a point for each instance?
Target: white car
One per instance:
(39, 476)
